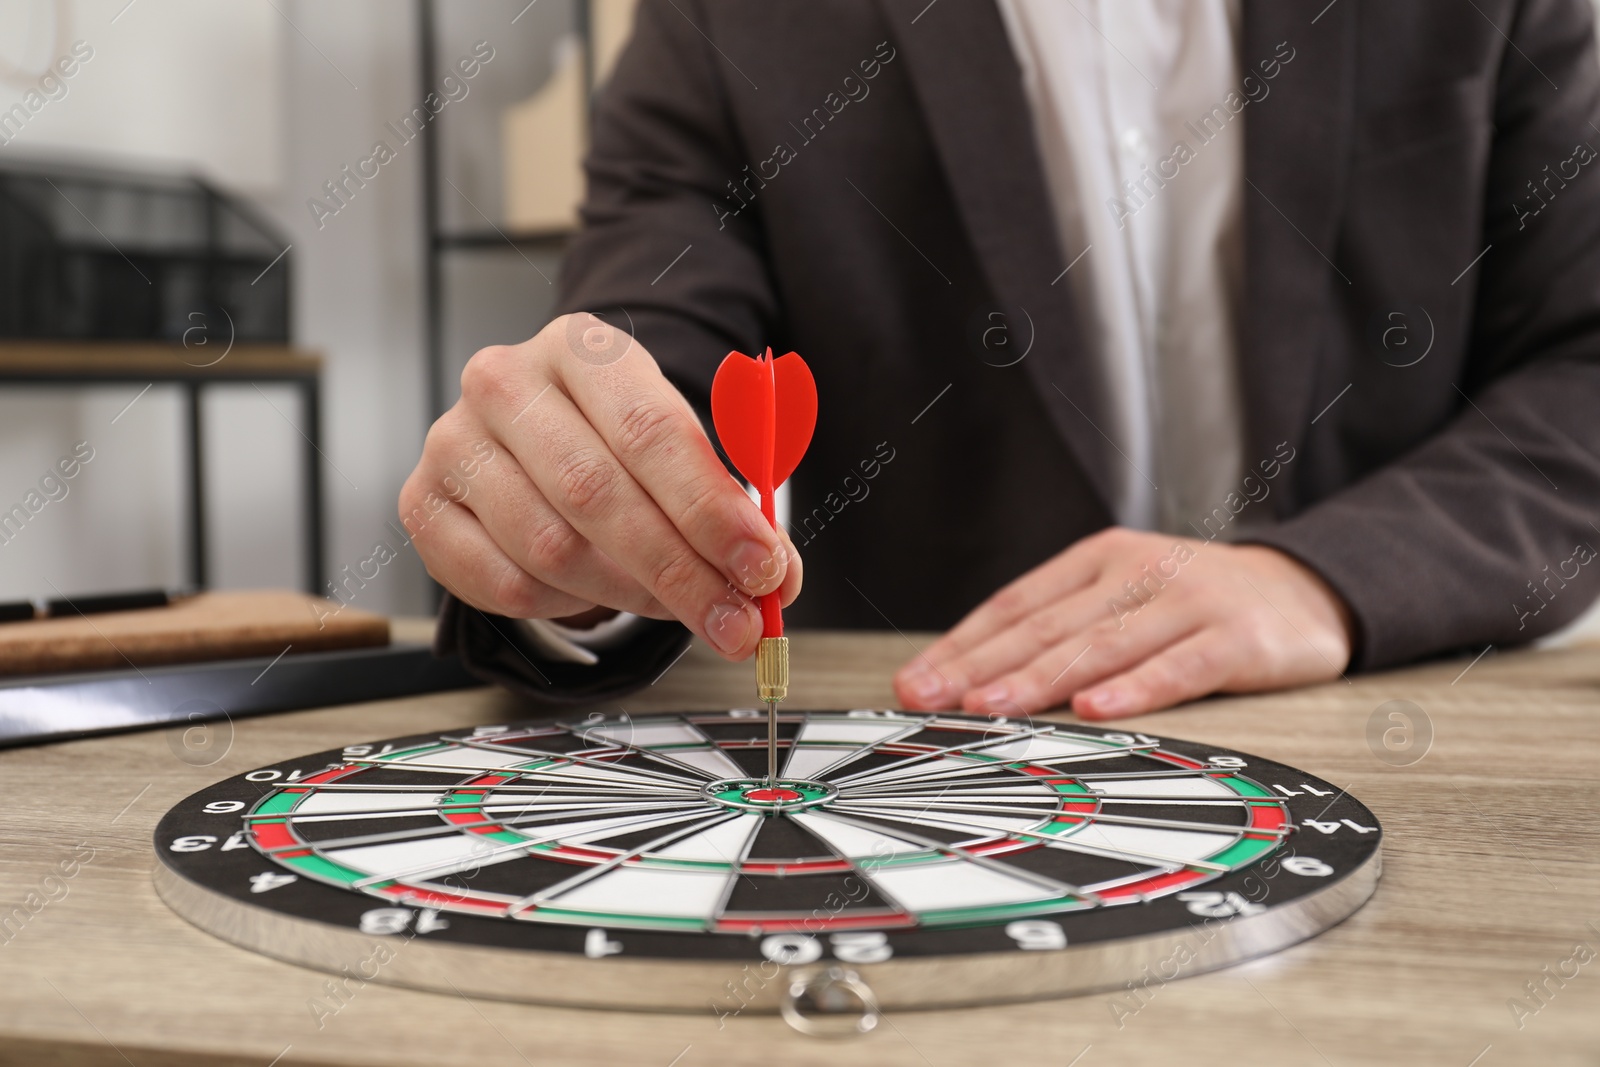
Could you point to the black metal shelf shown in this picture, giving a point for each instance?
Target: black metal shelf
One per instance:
(437, 242)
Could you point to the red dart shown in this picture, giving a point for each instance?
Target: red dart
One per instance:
(765, 410)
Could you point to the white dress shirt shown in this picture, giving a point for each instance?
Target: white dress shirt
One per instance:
(1146, 176)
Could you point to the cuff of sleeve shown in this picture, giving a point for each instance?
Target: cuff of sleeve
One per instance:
(501, 651)
(1393, 599)
(571, 645)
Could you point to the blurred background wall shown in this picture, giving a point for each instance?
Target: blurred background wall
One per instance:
(270, 99)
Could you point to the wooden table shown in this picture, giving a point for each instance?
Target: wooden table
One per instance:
(1491, 881)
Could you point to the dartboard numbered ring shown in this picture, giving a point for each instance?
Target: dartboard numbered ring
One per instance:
(646, 863)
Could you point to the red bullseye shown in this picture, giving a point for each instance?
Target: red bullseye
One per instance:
(776, 795)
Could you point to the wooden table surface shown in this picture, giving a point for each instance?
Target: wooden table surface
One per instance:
(1491, 882)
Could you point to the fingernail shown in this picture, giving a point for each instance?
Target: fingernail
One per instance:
(923, 683)
(994, 693)
(728, 627)
(757, 568)
(1108, 700)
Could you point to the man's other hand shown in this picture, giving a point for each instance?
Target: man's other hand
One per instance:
(1125, 622)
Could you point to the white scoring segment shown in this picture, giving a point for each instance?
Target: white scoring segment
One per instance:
(926, 768)
(723, 843)
(615, 778)
(705, 757)
(596, 830)
(972, 823)
(1152, 842)
(423, 855)
(920, 887)
(1041, 747)
(833, 740)
(852, 841)
(376, 804)
(449, 760)
(925, 887)
(1198, 786)
(648, 891)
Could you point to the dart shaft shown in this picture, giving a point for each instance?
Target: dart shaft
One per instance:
(772, 685)
(772, 744)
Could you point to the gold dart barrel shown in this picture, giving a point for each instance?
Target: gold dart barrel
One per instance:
(772, 668)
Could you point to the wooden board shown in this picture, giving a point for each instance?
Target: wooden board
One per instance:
(210, 626)
(1492, 876)
(153, 359)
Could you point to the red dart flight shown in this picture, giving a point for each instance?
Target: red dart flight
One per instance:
(765, 410)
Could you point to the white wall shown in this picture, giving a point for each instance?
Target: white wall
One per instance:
(269, 105)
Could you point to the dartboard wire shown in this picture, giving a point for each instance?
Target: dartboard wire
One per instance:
(1158, 798)
(1120, 820)
(519, 750)
(569, 803)
(589, 874)
(865, 872)
(619, 779)
(978, 789)
(738, 872)
(1009, 738)
(1007, 773)
(1040, 788)
(1043, 881)
(1052, 798)
(880, 777)
(578, 812)
(569, 785)
(650, 753)
(1067, 844)
(1176, 772)
(584, 814)
(854, 753)
(639, 772)
(981, 768)
(915, 916)
(433, 870)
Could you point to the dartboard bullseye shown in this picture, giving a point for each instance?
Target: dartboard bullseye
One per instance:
(649, 863)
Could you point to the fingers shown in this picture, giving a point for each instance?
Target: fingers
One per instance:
(925, 680)
(1008, 650)
(1191, 668)
(610, 493)
(649, 428)
(794, 575)
(573, 469)
(525, 527)
(463, 558)
(1051, 678)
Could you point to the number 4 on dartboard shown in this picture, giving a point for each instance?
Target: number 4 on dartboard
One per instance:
(268, 880)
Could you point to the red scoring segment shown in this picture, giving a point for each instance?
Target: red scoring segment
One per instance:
(773, 796)
(765, 411)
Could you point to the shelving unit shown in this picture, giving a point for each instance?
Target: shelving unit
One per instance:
(441, 242)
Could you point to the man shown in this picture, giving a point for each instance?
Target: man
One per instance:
(1237, 345)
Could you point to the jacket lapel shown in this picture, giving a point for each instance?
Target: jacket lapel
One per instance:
(970, 88)
(1297, 151)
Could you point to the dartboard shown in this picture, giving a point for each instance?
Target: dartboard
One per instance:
(649, 862)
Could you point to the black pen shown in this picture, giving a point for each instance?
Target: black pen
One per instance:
(92, 604)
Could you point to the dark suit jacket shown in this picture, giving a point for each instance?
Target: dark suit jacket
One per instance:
(858, 181)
